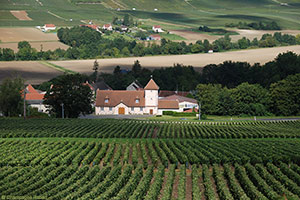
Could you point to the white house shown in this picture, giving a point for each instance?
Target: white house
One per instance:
(157, 29)
(107, 27)
(139, 101)
(48, 27)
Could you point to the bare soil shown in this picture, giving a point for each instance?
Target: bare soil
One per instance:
(21, 15)
(27, 34)
(251, 56)
(189, 185)
(175, 185)
(33, 72)
(45, 46)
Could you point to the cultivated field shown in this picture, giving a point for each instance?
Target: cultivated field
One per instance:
(192, 36)
(33, 72)
(65, 159)
(20, 15)
(10, 37)
(196, 60)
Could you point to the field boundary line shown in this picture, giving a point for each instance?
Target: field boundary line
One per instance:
(57, 67)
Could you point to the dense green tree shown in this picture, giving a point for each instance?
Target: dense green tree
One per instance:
(285, 96)
(8, 54)
(250, 99)
(11, 101)
(23, 44)
(69, 90)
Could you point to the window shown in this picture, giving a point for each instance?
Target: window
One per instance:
(106, 100)
(110, 108)
(132, 108)
(137, 100)
(102, 108)
(141, 108)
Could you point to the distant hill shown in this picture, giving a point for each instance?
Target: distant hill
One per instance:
(177, 13)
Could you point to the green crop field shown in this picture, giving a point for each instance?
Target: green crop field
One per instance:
(191, 13)
(147, 159)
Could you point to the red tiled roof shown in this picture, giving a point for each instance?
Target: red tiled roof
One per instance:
(115, 97)
(151, 85)
(49, 25)
(168, 104)
(87, 83)
(106, 25)
(34, 96)
(30, 89)
(191, 110)
(155, 36)
(156, 26)
(180, 98)
(90, 26)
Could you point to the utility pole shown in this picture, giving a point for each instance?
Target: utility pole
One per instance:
(24, 103)
(199, 110)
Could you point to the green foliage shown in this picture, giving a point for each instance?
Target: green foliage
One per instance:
(11, 101)
(256, 25)
(69, 90)
(285, 96)
(178, 114)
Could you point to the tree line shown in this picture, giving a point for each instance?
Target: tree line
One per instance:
(87, 43)
(272, 25)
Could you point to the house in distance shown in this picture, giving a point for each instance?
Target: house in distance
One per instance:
(138, 102)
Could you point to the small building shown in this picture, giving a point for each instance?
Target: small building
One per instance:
(35, 98)
(134, 86)
(107, 27)
(92, 26)
(124, 28)
(49, 27)
(185, 103)
(166, 93)
(157, 29)
(155, 37)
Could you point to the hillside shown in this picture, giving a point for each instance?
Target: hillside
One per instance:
(175, 13)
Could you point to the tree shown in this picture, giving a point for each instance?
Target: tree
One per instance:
(94, 76)
(250, 99)
(285, 96)
(69, 90)
(11, 102)
(8, 54)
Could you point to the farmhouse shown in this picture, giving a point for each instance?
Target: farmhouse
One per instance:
(157, 29)
(155, 37)
(138, 102)
(48, 27)
(107, 27)
(35, 98)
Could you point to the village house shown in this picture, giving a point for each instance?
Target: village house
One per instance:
(107, 27)
(138, 101)
(157, 29)
(48, 27)
(95, 27)
(35, 98)
(155, 37)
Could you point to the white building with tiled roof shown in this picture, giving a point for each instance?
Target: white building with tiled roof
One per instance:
(135, 102)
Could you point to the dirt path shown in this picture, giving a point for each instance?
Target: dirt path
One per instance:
(20, 15)
(189, 185)
(175, 185)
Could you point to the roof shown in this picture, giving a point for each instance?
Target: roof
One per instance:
(155, 36)
(33, 94)
(90, 26)
(106, 25)
(115, 97)
(49, 25)
(180, 98)
(156, 26)
(151, 85)
(101, 85)
(87, 83)
(168, 104)
(165, 93)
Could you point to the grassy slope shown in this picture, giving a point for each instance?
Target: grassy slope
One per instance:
(189, 13)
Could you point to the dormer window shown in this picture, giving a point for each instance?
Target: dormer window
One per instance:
(106, 100)
(137, 100)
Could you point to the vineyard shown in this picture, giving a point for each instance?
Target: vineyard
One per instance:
(131, 159)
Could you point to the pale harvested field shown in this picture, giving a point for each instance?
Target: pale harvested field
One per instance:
(21, 15)
(51, 45)
(197, 60)
(27, 34)
(250, 34)
(33, 72)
